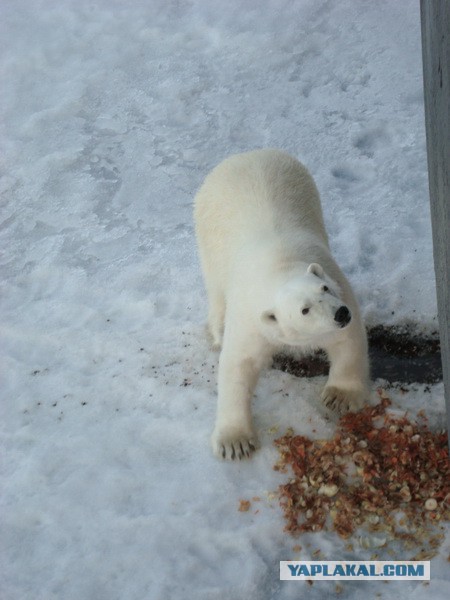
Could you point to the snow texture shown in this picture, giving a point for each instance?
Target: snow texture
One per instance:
(112, 114)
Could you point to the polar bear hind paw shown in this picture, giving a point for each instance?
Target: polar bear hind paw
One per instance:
(342, 401)
(214, 338)
(232, 447)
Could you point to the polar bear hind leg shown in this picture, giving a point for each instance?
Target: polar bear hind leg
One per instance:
(216, 316)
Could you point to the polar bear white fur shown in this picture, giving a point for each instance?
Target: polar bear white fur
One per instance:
(272, 281)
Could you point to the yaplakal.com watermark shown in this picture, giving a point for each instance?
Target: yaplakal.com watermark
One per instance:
(367, 570)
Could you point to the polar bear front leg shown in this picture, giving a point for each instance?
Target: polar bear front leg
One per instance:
(234, 436)
(347, 385)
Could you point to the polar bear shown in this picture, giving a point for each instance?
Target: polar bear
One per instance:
(271, 282)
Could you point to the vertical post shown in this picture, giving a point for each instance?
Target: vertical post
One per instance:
(435, 17)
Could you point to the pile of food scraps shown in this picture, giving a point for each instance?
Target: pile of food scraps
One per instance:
(381, 473)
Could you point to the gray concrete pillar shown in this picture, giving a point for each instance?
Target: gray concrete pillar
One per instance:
(435, 16)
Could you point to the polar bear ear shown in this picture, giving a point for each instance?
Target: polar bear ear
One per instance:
(315, 269)
(269, 317)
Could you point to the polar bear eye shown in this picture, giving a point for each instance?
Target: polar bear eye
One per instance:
(325, 288)
(272, 317)
(305, 311)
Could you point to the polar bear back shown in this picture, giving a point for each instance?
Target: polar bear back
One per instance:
(271, 187)
(261, 195)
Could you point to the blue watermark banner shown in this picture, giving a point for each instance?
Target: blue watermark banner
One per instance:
(367, 570)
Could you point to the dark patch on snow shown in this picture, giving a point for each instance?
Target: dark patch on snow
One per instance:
(344, 174)
(396, 355)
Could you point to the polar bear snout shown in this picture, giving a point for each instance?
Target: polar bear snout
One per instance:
(343, 316)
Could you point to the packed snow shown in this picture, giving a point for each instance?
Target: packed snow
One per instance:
(112, 114)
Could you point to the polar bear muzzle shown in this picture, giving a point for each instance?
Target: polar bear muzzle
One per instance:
(343, 316)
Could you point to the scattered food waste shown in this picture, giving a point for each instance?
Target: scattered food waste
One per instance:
(382, 477)
(244, 505)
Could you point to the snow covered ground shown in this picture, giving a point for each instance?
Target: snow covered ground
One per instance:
(112, 113)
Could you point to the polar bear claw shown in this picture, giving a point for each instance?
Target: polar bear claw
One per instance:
(231, 446)
(342, 401)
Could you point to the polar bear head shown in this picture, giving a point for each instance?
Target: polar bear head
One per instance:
(307, 310)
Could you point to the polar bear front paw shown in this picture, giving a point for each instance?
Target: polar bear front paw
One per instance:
(342, 401)
(234, 444)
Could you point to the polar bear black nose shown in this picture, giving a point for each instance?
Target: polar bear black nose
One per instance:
(343, 316)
